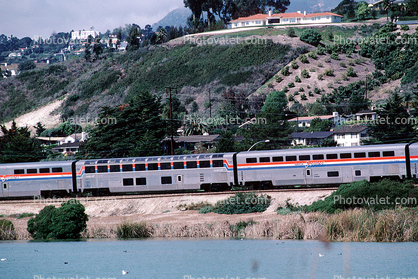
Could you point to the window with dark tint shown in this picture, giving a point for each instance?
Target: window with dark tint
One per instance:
(141, 181)
(278, 159)
(101, 168)
(308, 172)
(128, 182)
(304, 157)
(114, 168)
(345, 155)
(152, 166)
(332, 156)
(318, 157)
(102, 161)
(204, 164)
(44, 170)
(374, 154)
(178, 165)
(90, 169)
(191, 164)
(388, 153)
(290, 158)
(166, 180)
(264, 159)
(19, 171)
(358, 172)
(217, 163)
(165, 166)
(32, 171)
(251, 160)
(360, 155)
(139, 167)
(127, 167)
(56, 169)
(333, 174)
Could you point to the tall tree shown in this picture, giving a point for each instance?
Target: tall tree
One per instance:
(132, 129)
(133, 38)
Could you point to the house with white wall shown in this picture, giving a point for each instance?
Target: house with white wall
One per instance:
(351, 135)
(285, 18)
(82, 35)
(305, 121)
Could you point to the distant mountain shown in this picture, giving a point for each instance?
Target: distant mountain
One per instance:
(176, 18)
(311, 6)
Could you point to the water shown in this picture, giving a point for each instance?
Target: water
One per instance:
(204, 259)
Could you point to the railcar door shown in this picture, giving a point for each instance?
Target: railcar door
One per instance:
(5, 189)
(308, 176)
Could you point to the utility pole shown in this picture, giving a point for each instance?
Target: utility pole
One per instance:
(171, 121)
(210, 106)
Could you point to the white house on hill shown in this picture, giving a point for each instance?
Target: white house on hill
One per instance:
(285, 18)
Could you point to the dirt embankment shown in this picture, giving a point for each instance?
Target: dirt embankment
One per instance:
(160, 212)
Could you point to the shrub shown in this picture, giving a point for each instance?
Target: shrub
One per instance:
(317, 90)
(404, 27)
(295, 65)
(310, 36)
(310, 94)
(351, 72)
(303, 97)
(301, 89)
(344, 76)
(305, 73)
(291, 84)
(334, 56)
(329, 72)
(278, 79)
(285, 71)
(206, 209)
(342, 64)
(351, 63)
(290, 98)
(320, 50)
(312, 55)
(291, 32)
(320, 76)
(330, 84)
(132, 230)
(242, 203)
(303, 59)
(66, 222)
(7, 230)
(320, 65)
(327, 60)
(312, 69)
(26, 65)
(297, 79)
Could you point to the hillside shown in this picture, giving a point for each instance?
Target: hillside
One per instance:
(246, 63)
(177, 18)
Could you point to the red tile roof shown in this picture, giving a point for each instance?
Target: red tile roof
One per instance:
(283, 15)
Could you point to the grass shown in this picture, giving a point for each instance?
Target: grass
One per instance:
(133, 230)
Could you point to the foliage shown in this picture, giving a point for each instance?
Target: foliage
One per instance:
(133, 38)
(291, 32)
(318, 125)
(242, 203)
(132, 230)
(351, 72)
(297, 79)
(329, 72)
(367, 194)
(285, 71)
(295, 65)
(226, 142)
(140, 119)
(305, 74)
(303, 59)
(310, 36)
(26, 65)
(63, 130)
(7, 230)
(65, 222)
(17, 145)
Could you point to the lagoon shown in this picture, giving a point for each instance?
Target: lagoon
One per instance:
(204, 259)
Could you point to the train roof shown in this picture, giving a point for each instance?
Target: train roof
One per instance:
(31, 164)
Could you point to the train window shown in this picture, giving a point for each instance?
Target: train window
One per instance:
(31, 171)
(278, 159)
(318, 156)
(304, 157)
(114, 168)
(374, 154)
(166, 180)
(141, 181)
(191, 164)
(165, 166)
(360, 155)
(89, 169)
(358, 172)
(217, 163)
(101, 168)
(251, 160)
(128, 182)
(264, 159)
(290, 158)
(128, 167)
(102, 161)
(345, 155)
(178, 165)
(333, 174)
(332, 156)
(204, 164)
(139, 167)
(152, 166)
(44, 170)
(56, 169)
(308, 172)
(388, 153)
(20, 171)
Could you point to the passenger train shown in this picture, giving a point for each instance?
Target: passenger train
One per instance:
(210, 172)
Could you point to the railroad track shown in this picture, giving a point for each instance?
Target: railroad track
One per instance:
(148, 196)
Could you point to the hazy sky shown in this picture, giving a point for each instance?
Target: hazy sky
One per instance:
(33, 18)
(30, 18)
